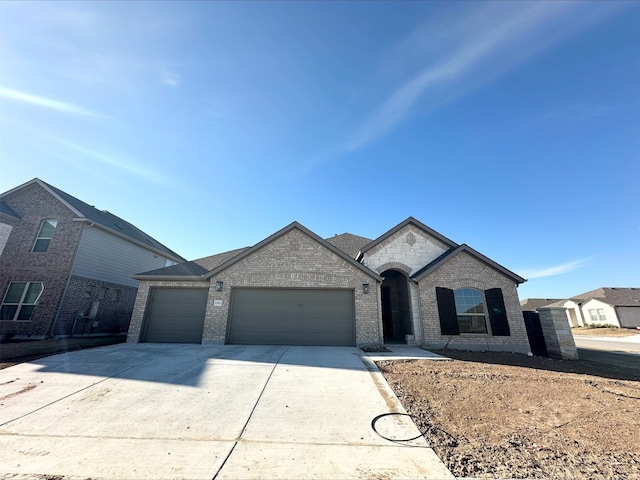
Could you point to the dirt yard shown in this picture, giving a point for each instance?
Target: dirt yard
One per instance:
(512, 416)
(604, 332)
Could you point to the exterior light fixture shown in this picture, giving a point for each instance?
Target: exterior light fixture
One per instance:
(219, 286)
(365, 288)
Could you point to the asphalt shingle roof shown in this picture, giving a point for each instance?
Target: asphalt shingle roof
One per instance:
(349, 243)
(534, 303)
(112, 222)
(7, 210)
(617, 297)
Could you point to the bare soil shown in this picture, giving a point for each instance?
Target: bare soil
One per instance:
(604, 331)
(505, 415)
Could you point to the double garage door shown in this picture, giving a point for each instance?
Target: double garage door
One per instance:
(267, 316)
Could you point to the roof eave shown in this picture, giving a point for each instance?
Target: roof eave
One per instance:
(279, 234)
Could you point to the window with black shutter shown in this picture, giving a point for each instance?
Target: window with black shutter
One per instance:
(497, 312)
(447, 311)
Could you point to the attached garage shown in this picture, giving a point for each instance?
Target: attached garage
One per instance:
(292, 316)
(175, 315)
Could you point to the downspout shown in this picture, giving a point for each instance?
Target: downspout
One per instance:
(66, 287)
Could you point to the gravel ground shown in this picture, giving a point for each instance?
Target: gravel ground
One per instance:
(512, 416)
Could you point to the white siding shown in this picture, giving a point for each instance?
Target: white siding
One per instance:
(608, 310)
(5, 230)
(107, 257)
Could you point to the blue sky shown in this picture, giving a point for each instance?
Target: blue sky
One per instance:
(513, 127)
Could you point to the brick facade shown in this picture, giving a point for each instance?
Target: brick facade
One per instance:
(293, 260)
(63, 295)
(18, 263)
(466, 271)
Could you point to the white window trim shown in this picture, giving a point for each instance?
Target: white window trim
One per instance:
(54, 222)
(21, 303)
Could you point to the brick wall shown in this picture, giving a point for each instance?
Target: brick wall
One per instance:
(19, 263)
(293, 260)
(461, 271)
(113, 315)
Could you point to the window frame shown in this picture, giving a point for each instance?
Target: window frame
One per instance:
(473, 315)
(40, 237)
(21, 303)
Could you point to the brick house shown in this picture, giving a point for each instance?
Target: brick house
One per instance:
(65, 266)
(410, 285)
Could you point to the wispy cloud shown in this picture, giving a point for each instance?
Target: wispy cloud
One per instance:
(170, 79)
(554, 270)
(489, 42)
(127, 165)
(47, 103)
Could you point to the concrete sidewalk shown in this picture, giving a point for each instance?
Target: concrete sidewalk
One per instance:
(195, 412)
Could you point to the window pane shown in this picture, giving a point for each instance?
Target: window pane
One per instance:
(114, 294)
(33, 293)
(26, 312)
(102, 293)
(42, 245)
(47, 229)
(14, 293)
(7, 312)
(88, 291)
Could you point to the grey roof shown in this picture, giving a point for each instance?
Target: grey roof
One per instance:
(209, 266)
(349, 243)
(401, 225)
(108, 221)
(614, 296)
(449, 254)
(194, 268)
(533, 303)
(7, 210)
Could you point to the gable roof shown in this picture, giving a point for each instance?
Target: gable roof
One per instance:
(400, 226)
(449, 254)
(614, 296)
(283, 231)
(8, 211)
(102, 219)
(209, 266)
(194, 268)
(349, 243)
(533, 303)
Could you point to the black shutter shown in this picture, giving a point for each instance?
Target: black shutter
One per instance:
(497, 312)
(447, 311)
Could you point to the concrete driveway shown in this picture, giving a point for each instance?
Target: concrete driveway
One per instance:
(206, 412)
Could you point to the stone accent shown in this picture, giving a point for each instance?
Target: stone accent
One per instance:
(557, 333)
(411, 255)
(461, 271)
(18, 263)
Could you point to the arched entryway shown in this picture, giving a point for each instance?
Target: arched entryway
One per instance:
(396, 310)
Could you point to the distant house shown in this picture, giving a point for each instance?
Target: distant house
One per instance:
(65, 266)
(619, 307)
(532, 304)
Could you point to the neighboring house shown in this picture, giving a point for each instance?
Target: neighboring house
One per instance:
(410, 285)
(65, 266)
(532, 304)
(619, 307)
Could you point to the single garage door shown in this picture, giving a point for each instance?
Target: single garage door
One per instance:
(175, 315)
(292, 317)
